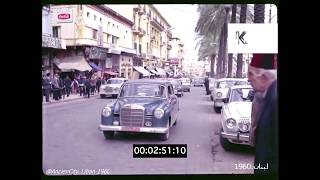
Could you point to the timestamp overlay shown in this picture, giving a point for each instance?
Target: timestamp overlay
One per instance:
(159, 150)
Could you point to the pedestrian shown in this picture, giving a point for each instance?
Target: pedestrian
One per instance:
(46, 83)
(87, 85)
(67, 83)
(75, 86)
(93, 82)
(262, 75)
(81, 86)
(206, 85)
(62, 87)
(98, 84)
(55, 87)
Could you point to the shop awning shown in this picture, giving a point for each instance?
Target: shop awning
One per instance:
(160, 71)
(153, 71)
(111, 73)
(95, 67)
(72, 63)
(141, 70)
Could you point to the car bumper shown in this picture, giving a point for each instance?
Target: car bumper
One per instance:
(236, 137)
(159, 130)
(108, 93)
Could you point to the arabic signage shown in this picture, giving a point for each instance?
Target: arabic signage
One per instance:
(51, 42)
(64, 15)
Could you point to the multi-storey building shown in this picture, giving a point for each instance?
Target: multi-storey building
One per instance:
(51, 43)
(97, 34)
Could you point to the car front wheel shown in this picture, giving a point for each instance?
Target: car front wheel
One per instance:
(102, 96)
(226, 145)
(108, 134)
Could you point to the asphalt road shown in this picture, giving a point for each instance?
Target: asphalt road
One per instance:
(72, 141)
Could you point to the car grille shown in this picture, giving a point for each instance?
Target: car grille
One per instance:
(131, 117)
(148, 117)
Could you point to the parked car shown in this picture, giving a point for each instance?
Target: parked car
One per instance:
(236, 117)
(144, 105)
(111, 87)
(177, 87)
(220, 91)
(243, 81)
(198, 81)
(186, 84)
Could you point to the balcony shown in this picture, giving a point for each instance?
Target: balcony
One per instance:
(153, 37)
(141, 11)
(156, 24)
(135, 30)
(163, 44)
(142, 33)
(169, 47)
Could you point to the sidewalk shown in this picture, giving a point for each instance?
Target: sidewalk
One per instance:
(66, 99)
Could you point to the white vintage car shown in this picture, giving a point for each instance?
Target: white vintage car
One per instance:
(111, 87)
(220, 91)
(236, 116)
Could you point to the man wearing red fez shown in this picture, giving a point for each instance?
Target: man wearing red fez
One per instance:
(262, 74)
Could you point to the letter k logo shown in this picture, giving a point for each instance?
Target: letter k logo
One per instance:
(240, 37)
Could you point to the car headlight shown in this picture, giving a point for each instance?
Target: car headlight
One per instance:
(106, 111)
(244, 126)
(231, 123)
(158, 113)
(219, 94)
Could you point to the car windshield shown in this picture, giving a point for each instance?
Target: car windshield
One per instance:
(175, 83)
(142, 90)
(225, 84)
(242, 83)
(114, 81)
(240, 95)
(185, 80)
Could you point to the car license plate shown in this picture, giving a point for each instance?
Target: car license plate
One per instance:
(131, 129)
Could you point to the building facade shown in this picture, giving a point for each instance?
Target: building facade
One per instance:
(51, 43)
(98, 34)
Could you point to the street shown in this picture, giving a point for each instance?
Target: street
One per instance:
(71, 140)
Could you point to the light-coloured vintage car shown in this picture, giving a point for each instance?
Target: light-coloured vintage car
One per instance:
(111, 87)
(236, 116)
(211, 85)
(186, 84)
(220, 91)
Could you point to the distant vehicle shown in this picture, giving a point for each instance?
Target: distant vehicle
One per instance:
(220, 91)
(144, 105)
(198, 81)
(186, 84)
(236, 116)
(177, 87)
(111, 87)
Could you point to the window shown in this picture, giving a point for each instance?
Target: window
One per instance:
(140, 48)
(147, 48)
(122, 59)
(95, 17)
(169, 91)
(55, 31)
(112, 25)
(88, 15)
(94, 34)
(80, 7)
(135, 45)
(100, 20)
(117, 27)
(114, 40)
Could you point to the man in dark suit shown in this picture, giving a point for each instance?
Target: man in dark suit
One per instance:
(262, 74)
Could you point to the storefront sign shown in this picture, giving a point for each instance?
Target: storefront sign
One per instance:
(64, 15)
(97, 53)
(51, 42)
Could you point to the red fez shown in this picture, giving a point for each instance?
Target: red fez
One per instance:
(264, 61)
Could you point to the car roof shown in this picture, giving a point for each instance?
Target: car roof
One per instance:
(118, 78)
(150, 81)
(241, 87)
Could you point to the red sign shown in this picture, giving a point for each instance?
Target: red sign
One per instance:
(64, 16)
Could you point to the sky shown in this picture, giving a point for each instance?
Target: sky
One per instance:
(183, 19)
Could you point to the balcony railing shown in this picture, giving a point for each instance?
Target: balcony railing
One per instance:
(155, 23)
(142, 33)
(135, 30)
(51, 42)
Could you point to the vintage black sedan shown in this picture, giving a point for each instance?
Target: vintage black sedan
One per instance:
(144, 105)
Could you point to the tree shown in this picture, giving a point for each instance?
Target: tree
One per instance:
(230, 56)
(209, 25)
(243, 15)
